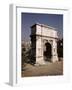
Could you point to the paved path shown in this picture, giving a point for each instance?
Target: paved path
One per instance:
(44, 70)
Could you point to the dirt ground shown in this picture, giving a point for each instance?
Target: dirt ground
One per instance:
(50, 69)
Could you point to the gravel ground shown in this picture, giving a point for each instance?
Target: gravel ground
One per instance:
(50, 69)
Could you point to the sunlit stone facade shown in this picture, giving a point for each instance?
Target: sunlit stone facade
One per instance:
(43, 43)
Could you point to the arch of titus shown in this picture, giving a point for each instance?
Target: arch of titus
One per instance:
(43, 43)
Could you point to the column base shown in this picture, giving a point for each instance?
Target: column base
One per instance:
(40, 61)
(54, 58)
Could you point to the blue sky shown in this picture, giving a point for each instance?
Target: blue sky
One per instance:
(28, 19)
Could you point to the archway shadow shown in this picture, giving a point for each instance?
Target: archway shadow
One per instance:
(48, 52)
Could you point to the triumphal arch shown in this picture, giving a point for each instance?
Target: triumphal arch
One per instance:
(43, 43)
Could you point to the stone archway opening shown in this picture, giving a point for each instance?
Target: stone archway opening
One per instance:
(47, 52)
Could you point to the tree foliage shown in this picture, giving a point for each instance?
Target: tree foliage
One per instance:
(60, 48)
(26, 51)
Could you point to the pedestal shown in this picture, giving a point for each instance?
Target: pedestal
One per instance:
(54, 58)
(40, 61)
